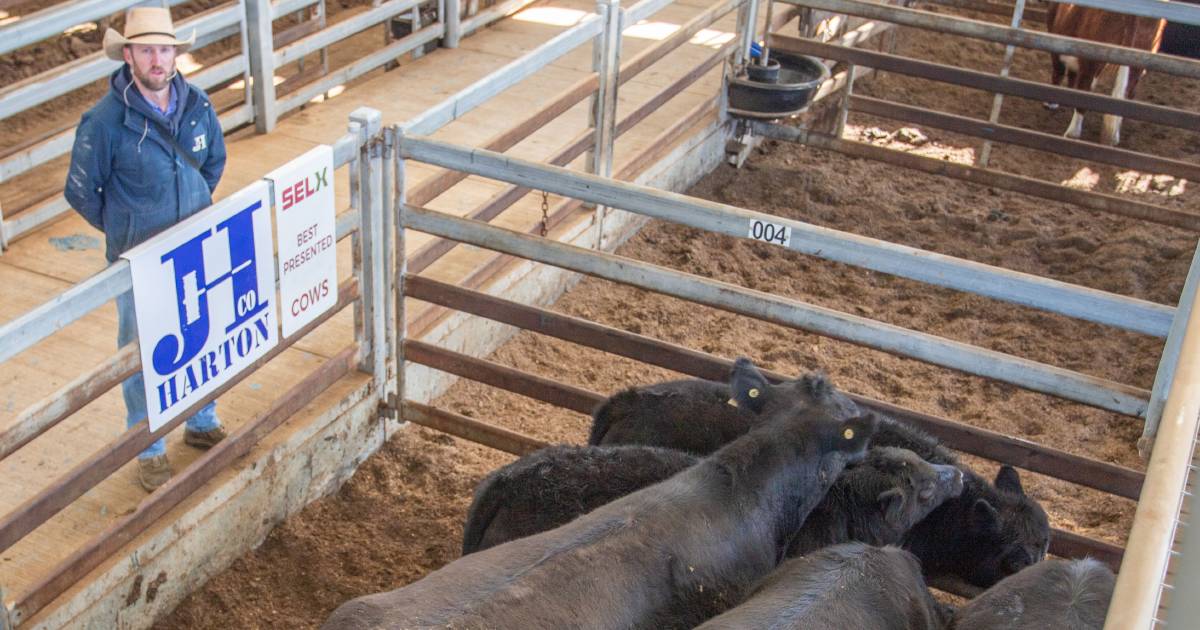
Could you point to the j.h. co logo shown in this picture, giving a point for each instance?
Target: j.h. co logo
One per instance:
(204, 296)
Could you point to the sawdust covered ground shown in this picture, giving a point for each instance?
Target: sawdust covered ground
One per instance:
(401, 515)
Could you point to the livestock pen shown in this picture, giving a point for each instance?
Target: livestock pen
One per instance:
(65, 560)
(405, 302)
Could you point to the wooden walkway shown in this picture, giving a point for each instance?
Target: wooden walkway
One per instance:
(48, 262)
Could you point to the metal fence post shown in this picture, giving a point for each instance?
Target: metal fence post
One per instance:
(452, 18)
(387, 269)
(401, 264)
(749, 30)
(844, 105)
(606, 61)
(262, 63)
(739, 53)
(1170, 359)
(6, 621)
(985, 153)
(372, 357)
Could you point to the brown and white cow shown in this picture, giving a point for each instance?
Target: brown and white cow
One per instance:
(1105, 27)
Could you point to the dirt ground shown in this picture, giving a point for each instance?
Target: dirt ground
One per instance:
(401, 514)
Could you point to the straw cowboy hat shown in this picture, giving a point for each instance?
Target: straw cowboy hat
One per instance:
(146, 25)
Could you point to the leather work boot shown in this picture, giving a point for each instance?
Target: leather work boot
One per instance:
(153, 472)
(203, 440)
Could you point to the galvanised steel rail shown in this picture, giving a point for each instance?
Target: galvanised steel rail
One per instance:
(1004, 35)
(946, 271)
(21, 333)
(1039, 377)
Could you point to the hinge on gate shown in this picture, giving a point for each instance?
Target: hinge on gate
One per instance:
(390, 407)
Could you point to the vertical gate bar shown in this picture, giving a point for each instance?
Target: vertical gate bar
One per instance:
(401, 326)
(3, 232)
(985, 153)
(844, 106)
(356, 235)
(1170, 359)
(262, 63)
(387, 268)
(419, 51)
(739, 52)
(607, 63)
(766, 52)
(6, 620)
(452, 18)
(322, 16)
(750, 30)
(371, 244)
(247, 81)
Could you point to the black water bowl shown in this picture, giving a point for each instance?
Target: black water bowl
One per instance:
(780, 92)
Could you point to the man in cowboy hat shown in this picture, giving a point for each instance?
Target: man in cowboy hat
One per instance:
(147, 156)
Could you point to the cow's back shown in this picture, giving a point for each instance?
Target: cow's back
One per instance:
(622, 565)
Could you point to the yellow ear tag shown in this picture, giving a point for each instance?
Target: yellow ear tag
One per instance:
(732, 403)
(848, 434)
(753, 393)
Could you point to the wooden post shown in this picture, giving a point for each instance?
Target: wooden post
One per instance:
(985, 153)
(261, 50)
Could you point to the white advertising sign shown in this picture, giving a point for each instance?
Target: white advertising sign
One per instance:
(204, 295)
(306, 233)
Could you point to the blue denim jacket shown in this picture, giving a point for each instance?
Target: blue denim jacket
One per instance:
(125, 177)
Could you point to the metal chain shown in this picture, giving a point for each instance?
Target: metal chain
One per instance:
(545, 213)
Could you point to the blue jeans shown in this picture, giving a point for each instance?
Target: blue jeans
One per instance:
(134, 387)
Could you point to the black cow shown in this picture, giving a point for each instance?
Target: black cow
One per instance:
(844, 586)
(669, 555)
(985, 534)
(701, 416)
(1055, 594)
(876, 501)
(554, 485)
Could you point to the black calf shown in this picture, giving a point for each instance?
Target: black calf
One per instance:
(552, 486)
(1055, 594)
(670, 555)
(876, 501)
(844, 586)
(700, 416)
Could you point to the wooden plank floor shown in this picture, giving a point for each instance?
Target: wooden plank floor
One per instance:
(49, 261)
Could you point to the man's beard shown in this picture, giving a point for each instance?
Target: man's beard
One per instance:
(154, 85)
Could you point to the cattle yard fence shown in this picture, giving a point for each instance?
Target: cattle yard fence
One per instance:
(367, 151)
(277, 49)
(383, 209)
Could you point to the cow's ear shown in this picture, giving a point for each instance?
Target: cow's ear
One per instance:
(984, 517)
(856, 432)
(1008, 479)
(892, 502)
(817, 385)
(748, 387)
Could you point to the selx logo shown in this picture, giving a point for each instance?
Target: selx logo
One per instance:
(303, 189)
